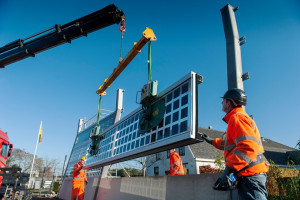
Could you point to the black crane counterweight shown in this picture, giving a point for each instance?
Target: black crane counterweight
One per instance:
(59, 34)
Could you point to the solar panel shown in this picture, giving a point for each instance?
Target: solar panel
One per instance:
(179, 127)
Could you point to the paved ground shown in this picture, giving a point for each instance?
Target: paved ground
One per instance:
(46, 198)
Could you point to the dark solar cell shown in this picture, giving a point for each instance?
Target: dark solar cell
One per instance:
(168, 120)
(175, 116)
(176, 104)
(176, 93)
(142, 141)
(147, 139)
(184, 113)
(184, 100)
(159, 135)
(135, 126)
(167, 132)
(131, 128)
(128, 146)
(153, 137)
(137, 143)
(169, 97)
(168, 108)
(175, 129)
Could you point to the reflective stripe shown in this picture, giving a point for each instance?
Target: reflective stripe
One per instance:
(222, 144)
(242, 156)
(259, 159)
(178, 171)
(242, 138)
(247, 137)
(78, 178)
(229, 147)
(175, 163)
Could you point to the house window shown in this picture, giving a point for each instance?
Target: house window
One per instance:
(156, 171)
(168, 154)
(182, 151)
(158, 157)
(185, 165)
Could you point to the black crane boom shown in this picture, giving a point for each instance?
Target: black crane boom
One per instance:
(59, 34)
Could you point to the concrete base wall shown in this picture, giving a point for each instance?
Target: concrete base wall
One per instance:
(189, 187)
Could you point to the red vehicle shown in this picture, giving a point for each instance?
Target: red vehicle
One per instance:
(6, 150)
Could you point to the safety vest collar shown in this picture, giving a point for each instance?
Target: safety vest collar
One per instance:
(174, 153)
(232, 112)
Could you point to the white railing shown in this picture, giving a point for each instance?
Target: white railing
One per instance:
(88, 122)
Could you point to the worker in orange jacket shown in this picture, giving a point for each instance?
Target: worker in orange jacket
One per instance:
(176, 167)
(243, 150)
(79, 177)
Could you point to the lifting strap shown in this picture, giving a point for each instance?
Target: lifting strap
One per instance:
(99, 110)
(149, 62)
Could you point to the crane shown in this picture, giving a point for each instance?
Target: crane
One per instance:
(60, 34)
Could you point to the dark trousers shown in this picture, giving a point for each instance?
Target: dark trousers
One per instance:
(253, 187)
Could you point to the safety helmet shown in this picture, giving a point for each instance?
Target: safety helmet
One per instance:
(82, 158)
(238, 96)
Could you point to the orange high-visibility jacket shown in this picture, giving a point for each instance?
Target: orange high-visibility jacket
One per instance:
(242, 144)
(78, 172)
(176, 167)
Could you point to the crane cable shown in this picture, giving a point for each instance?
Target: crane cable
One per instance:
(122, 29)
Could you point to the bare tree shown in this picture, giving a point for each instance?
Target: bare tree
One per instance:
(148, 161)
(23, 159)
(50, 166)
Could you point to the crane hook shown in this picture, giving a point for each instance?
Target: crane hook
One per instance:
(122, 26)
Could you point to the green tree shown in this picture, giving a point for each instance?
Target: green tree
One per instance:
(14, 166)
(298, 145)
(219, 162)
(56, 186)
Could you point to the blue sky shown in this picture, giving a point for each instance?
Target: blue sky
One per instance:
(58, 86)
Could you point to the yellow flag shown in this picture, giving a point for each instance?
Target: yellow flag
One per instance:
(40, 133)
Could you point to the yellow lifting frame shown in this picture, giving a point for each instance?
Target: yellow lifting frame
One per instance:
(148, 35)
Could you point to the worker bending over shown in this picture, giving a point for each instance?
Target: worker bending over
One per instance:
(176, 167)
(79, 177)
(243, 150)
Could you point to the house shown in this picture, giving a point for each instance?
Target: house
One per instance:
(199, 154)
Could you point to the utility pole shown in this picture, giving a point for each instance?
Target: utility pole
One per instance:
(235, 76)
(42, 180)
(62, 172)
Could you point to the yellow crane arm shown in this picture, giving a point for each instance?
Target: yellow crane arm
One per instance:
(148, 35)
